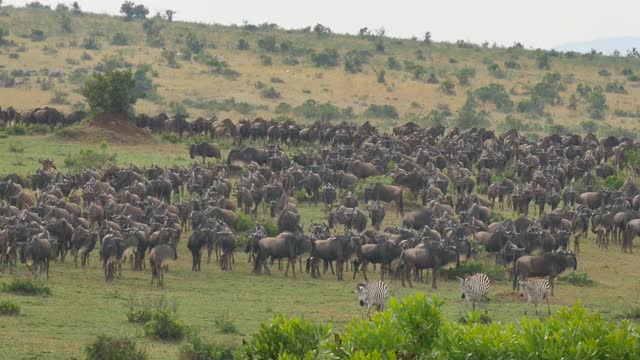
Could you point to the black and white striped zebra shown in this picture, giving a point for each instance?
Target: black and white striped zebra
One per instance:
(537, 291)
(475, 288)
(370, 294)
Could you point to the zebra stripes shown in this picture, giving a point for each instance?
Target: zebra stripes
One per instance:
(375, 293)
(475, 288)
(537, 291)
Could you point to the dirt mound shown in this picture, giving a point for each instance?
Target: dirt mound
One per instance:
(114, 129)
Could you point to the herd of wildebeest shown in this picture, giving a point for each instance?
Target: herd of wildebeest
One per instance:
(444, 185)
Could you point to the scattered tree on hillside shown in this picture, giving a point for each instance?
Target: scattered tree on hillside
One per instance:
(194, 44)
(325, 58)
(243, 44)
(65, 22)
(169, 14)
(543, 61)
(133, 11)
(448, 87)
(75, 8)
(321, 29)
(469, 117)
(111, 92)
(3, 33)
(152, 30)
(597, 104)
(427, 38)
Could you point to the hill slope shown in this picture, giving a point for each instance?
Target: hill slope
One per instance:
(48, 54)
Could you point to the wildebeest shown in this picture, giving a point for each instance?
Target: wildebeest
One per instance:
(387, 193)
(82, 243)
(286, 245)
(339, 248)
(204, 150)
(382, 254)
(36, 254)
(433, 256)
(550, 264)
(159, 260)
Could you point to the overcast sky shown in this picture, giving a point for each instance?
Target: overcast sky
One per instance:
(535, 23)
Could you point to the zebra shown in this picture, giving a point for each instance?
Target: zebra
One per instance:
(537, 291)
(475, 288)
(375, 293)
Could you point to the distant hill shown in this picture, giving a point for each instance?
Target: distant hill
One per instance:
(309, 74)
(605, 45)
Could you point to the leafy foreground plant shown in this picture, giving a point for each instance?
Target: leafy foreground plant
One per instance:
(110, 348)
(198, 349)
(26, 286)
(9, 308)
(414, 329)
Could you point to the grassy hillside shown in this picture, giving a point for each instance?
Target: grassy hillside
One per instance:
(276, 72)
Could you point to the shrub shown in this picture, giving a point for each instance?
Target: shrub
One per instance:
(604, 72)
(194, 44)
(111, 92)
(311, 109)
(9, 308)
(277, 80)
(198, 349)
(496, 94)
(325, 58)
(354, 60)
(37, 35)
(224, 324)
(165, 325)
(59, 98)
(393, 63)
(283, 108)
(90, 43)
(495, 71)
(301, 195)
(270, 93)
(589, 126)
(597, 104)
(242, 44)
(362, 184)
(286, 338)
(120, 39)
(464, 75)
(469, 117)
(382, 111)
(26, 286)
(543, 61)
(110, 348)
(474, 317)
(380, 76)
(245, 222)
(270, 228)
(471, 267)
(89, 158)
(614, 182)
(18, 130)
(266, 60)
(615, 87)
(291, 61)
(448, 87)
(580, 279)
(267, 43)
(631, 313)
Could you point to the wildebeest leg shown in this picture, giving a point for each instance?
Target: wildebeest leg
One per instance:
(382, 272)
(435, 277)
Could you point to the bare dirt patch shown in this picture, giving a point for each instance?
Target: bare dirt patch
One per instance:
(114, 129)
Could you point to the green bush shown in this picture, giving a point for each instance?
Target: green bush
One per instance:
(393, 63)
(165, 325)
(614, 182)
(495, 71)
(325, 58)
(110, 348)
(301, 195)
(464, 75)
(111, 92)
(580, 279)
(242, 44)
(286, 338)
(474, 317)
(448, 87)
(382, 111)
(630, 314)
(495, 94)
(354, 60)
(90, 43)
(314, 110)
(270, 228)
(68, 132)
(37, 35)
(597, 104)
(245, 222)
(120, 39)
(26, 286)
(198, 349)
(224, 324)
(18, 130)
(266, 60)
(471, 267)
(270, 93)
(268, 43)
(89, 158)
(9, 308)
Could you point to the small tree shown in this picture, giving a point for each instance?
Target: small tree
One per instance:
(194, 44)
(110, 93)
(127, 9)
(448, 87)
(464, 75)
(326, 58)
(169, 14)
(75, 8)
(597, 104)
(543, 61)
(140, 12)
(380, 76)
(3, 33)
(65, 22)
(427, 38)
(243, 44)
(321, 29)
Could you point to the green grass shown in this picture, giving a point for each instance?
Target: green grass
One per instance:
(9, 308)
(26, 286)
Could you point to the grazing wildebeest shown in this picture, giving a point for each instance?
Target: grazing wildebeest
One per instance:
(340, 248)
(433, 256)
(36, 254)
(286, 245)
(109, 250)
(387, 193)
(159, 260)
(377, 214)
(383, 254)
(82, 243)
(204, 150)
(199, 240)
(550, 264)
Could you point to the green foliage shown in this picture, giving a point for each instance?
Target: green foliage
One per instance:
(171, 57)
(165, 325)
(589, 126)
(325, 58)
(615, 87)
(132, 11)
(354, 60)
(448, 87)
(469, 117)
(120, 39)
(16, 130)
(543, 61)
(144, 87)
(285, 338)
(197, 349)
(393, 63)
(604, 72)
(580, 279)
(3, 33)
(90, 43)
(597, 104)
(266, 60)
(301, 196)
(224, 324)
(276, 80)
(382, 111)
(111, 92)
(245, 222)
(511, 64)
(313, 110)
(110, 348)
(471, 267)
(89, 158)
(65, 22)
(26, 286)
(464, 75)
(152, 29)
(380, 76)
(268, 43)
(494, 70)
(496, 94)
(59, 98)
(614, 182)
(37, 35)
(270, 93)
(631, 313)
(242, 44)
(194, 44)
(270, 228)
(546, 92)
(474, 317)
(9, 308)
